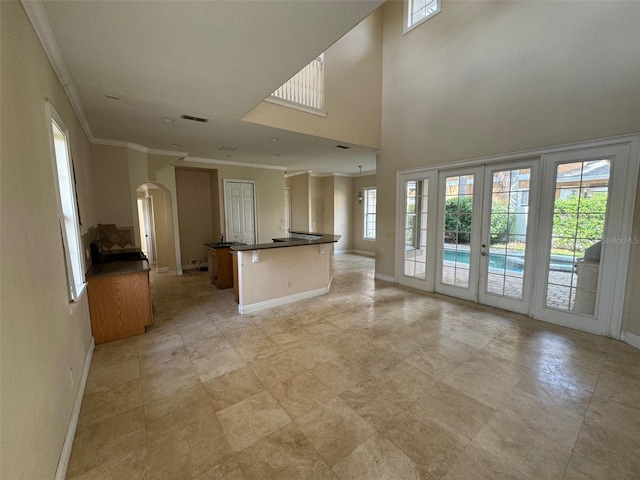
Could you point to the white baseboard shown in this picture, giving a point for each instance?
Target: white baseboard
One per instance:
(63, 463)
(365, 253)
(386, 278)
(342, 252)
(162, 269)
(631, 339)
(276, 302)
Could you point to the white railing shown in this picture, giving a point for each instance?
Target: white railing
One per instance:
(305, 88)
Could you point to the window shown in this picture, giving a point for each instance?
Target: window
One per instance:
(370, 213)
(67, 205)
(305, 90)
(416, 12)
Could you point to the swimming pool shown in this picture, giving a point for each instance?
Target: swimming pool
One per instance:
(513, 262)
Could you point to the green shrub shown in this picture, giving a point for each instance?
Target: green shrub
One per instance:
(580, 218)
(458, 217)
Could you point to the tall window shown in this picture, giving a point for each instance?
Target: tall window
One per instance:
(370, 213)
(67, 206)
(416, 12)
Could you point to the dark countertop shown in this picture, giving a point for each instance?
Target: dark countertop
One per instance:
(222, 245)
(118, 268)
(295, 239)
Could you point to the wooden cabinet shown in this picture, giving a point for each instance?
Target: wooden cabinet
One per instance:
(119, 305)
(220, 268)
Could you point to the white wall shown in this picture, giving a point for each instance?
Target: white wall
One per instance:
(43, 337)
(483, 78)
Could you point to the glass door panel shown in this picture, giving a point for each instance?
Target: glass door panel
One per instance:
(416, 194)
(579, 218)
(504, 253)
(459, 207)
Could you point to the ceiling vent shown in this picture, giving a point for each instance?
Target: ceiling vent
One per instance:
(195, 119)
(227, 149)
(344, 147)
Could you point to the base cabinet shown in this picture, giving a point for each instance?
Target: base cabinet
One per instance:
(119, 305)
(220, 269)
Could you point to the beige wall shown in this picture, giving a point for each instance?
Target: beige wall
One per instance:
(299, 185)
(43, 338)
(321, 204)
(281, 272)
(118, 172)
(501, 77)
(353, 86)
(113, 198)
(160, 229)
(359, 243)
(343, 199)
(194, 213)
(269, 195)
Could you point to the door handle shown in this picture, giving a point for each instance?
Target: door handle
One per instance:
(484, 254)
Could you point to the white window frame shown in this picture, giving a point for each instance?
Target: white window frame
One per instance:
(366, 191)
(67, 210)
(408, 24)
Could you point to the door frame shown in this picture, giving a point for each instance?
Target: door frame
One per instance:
(630, 142)
(226, 181)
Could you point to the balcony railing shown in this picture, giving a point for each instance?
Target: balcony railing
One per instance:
(305, 89)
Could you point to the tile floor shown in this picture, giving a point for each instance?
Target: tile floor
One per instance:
(372, 381)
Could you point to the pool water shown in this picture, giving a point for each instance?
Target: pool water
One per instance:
(514, 263)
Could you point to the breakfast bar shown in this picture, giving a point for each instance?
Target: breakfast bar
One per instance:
(288, 270)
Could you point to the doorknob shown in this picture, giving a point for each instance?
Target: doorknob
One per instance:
(484, 254)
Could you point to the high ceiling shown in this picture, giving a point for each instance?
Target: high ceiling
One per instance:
(214, 59)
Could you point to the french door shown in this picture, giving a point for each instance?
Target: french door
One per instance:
(536, 236)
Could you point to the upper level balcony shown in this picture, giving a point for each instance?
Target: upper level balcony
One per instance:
(305, 90)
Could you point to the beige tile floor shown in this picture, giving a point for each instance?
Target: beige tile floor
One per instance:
(372, 381)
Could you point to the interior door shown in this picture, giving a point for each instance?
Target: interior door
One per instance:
(240, 212)
(506, 258)
(459, 212)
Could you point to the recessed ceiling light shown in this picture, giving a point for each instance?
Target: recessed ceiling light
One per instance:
(112, 97)
(227, 156)
(273, 139)
(175, 145)
(168, 119)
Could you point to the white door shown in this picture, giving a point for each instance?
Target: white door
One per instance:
(240, 211)
(417, 230)
(458, 245)
(581, 235)
(508, 218)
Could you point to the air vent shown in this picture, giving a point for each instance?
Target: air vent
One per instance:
(195, 119)
(344, 147)
(227, 149)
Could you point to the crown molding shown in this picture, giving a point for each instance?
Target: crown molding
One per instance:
(304, 172)
(231, 163)
(38, 18)
(137, 147)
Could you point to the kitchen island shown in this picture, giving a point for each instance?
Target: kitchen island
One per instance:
(285, 271)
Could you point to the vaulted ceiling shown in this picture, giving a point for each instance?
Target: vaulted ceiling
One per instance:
(215, 59)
